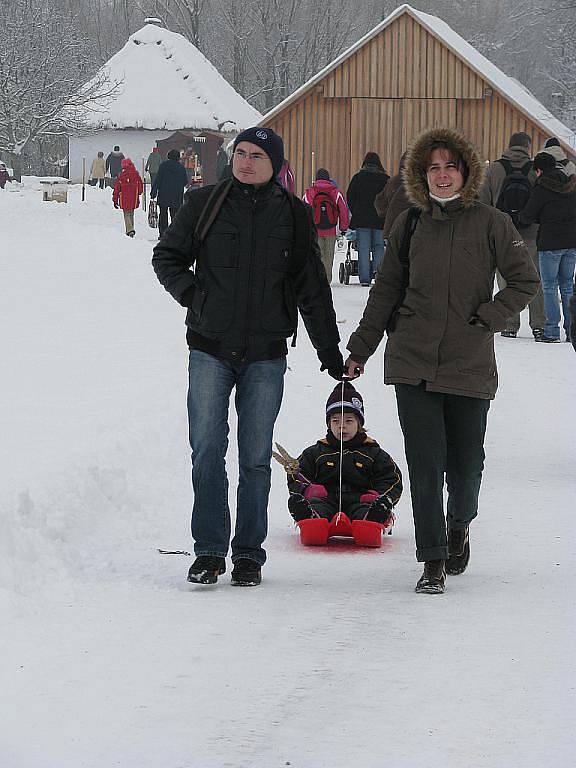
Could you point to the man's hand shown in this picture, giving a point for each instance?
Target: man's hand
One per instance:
(352, 369)
(332, 361)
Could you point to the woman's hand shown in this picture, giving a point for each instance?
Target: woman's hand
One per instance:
(352, 369)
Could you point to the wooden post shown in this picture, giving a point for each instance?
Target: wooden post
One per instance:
(83, 179)
(144, 185)
(313, 168)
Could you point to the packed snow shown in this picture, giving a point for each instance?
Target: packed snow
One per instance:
(109, 657)
(165, 82)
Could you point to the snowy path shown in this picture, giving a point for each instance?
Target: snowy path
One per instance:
(110, 659)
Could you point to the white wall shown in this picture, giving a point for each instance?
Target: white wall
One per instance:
(135, 144)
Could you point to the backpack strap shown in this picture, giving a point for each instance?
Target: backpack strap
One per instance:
(403, 258)
(211, 210)
(526, 168)
(507, 165)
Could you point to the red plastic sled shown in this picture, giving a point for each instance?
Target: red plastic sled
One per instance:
(315, 531)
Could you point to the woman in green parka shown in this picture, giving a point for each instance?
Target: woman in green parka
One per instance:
(440, 356)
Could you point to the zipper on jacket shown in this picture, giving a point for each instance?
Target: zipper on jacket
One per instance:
(253, 201)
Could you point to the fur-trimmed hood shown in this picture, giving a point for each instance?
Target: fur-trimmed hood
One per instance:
(557, 182)
(414, 174)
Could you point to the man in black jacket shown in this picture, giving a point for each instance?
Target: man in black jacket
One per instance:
(256, 263)
(168, 186)
(553, 205)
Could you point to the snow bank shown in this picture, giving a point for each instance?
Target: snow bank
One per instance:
(109, 658)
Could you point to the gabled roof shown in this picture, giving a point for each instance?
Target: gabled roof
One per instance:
(167, 83)
(507, 87)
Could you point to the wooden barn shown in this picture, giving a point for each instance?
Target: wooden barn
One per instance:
(410, 73)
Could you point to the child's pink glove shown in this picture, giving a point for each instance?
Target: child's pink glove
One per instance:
(315, 491)
(369, 497)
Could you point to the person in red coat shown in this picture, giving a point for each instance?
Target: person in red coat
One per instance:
(330, 210)
(127, 191)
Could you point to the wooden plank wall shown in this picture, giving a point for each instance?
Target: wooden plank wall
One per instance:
(398, 84)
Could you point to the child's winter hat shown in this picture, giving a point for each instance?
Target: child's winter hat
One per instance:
(266, 139)
(345, 395)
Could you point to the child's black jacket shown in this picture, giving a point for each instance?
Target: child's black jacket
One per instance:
(365, 466)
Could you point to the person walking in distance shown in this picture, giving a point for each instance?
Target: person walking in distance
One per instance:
(507, 186)
(330, 213)
(126, 195)
(362, 190)
(168, 186)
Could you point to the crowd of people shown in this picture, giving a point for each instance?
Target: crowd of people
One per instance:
(245, 256)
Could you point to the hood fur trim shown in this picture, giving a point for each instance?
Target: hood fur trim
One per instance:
(414, 174)
(558, 182)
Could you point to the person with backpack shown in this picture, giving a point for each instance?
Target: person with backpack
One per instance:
(256, 262)
(552, 147)
(330, 213)
(508, 186)
(433, 297)
(362, 190)
(553, 205)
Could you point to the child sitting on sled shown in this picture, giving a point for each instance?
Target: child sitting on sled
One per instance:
(360, 502)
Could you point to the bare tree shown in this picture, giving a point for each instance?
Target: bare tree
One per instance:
(44, 66)
(182, 16)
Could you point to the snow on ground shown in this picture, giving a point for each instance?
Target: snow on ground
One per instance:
(109, 658)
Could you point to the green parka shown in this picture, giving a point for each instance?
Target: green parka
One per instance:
(453, 255)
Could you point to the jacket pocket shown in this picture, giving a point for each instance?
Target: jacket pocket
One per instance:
(217, 270)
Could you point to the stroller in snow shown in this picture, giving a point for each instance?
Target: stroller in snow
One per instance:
(349, 266)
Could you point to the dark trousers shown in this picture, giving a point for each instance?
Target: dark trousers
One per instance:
(443, 435)
(163, 217)
(101, 183)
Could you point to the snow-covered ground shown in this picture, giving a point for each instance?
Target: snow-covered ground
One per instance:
(109, 658)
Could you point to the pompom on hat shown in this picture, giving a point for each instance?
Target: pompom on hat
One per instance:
(345, 396)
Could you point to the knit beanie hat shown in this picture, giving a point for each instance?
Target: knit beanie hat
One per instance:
(266, 139)
(345, 395)
(552, 142)
(322, 173)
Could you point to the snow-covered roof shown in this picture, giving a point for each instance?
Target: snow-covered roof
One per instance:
(506, 86)
(167, 83)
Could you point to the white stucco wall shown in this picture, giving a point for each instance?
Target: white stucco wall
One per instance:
(135, 144)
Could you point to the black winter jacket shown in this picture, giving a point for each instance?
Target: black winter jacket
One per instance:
(365, 467)
(114, 163)
(169, 184)
(552, 203)
(362, 190)
(258, 264)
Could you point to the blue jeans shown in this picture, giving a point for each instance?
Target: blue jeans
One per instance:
(259, 389)
(557, 273)
(369, 241)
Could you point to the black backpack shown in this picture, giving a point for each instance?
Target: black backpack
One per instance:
(516, 189)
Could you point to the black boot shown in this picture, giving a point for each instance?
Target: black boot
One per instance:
(458, 550)
(246, 573)
(206, 569)
(432, 580)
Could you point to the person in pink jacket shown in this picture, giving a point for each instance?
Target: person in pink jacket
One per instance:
(126, 195)
(330, 211)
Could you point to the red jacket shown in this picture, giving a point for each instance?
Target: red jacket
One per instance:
(128, 188)
(321, 185)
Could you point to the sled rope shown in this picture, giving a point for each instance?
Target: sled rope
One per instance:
(339, 515)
